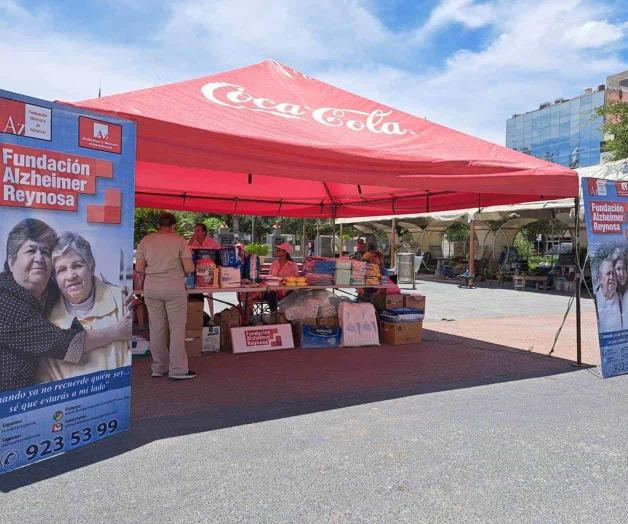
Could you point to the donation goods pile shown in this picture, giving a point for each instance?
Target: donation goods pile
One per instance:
(358, 273)
(319, 271)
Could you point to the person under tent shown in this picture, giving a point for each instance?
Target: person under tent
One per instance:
(282, 267)
(201, 240)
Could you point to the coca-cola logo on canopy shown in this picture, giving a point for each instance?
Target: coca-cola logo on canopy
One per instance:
(236, 97)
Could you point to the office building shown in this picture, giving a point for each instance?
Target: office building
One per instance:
(566, 131)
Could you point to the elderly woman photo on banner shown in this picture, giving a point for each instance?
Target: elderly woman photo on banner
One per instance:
(28, 293)
(86, 298)
(608, 265)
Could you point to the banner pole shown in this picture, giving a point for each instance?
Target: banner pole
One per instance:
(578, 284)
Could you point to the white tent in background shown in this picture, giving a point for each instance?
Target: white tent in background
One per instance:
(427, 229)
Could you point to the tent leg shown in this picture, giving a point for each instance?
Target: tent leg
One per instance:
(341, 242)
(578, 285)
(393, 244)
(470, 280)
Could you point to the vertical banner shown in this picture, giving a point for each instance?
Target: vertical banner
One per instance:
(66, 250)
(606, 215)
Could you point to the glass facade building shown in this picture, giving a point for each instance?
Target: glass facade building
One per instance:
(566, 132)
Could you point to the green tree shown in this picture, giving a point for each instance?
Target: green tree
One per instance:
(523, 245)
(457, 232)
(212, 223)
(145, 222)
(616, 125)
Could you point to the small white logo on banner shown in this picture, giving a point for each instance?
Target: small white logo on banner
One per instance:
(101, 130)
(37, 121)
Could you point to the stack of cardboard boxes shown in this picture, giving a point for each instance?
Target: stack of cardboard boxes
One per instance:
(398, 333)
(194, 324)
(227, 319)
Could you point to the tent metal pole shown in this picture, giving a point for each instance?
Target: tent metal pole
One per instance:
(341, 242)
(578, 284)
(471, 280)
(393, 243)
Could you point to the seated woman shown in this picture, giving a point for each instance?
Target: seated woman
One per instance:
(377, 259)
(90, 300)
(26, 291)
(201, 240)
(283, 267)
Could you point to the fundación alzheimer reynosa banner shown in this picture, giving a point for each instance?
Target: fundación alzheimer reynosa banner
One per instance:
(606, 214)
(66, 247)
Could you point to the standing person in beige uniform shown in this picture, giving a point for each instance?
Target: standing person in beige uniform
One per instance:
(165, 258)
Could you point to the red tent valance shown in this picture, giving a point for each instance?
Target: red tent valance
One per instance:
(268, 140)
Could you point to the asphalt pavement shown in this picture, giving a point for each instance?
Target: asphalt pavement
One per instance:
(453, 430)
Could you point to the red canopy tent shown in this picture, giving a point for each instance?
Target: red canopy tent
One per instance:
(268, 140)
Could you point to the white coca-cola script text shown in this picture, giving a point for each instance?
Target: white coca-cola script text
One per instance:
(236, 97)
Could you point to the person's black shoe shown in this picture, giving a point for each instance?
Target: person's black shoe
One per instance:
(189, 374)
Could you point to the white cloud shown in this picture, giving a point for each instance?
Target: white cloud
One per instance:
(532, 59)
(234, 34)
(535, 52)
(466, 12)
(594, 34)
(41, 62)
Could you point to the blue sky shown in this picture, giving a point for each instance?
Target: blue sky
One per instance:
(462, 63)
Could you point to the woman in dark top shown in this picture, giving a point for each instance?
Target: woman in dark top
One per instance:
(26, 292)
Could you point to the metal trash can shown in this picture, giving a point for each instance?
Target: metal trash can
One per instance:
(405, 268)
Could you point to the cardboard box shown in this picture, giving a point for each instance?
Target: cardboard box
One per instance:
(414, 300)
(193, 346)
(210, 340)
(382, 302)
(262, 338)
(297, 329)
(227, 319)
(139, 346)
(225, 339)
(227, 314)
(230, 277)
(276, 317)
(398, 333)
(195, 315)
(193, 333)
(323, 322)
(317, 337)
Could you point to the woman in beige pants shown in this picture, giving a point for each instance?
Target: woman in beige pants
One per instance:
(164, 257)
